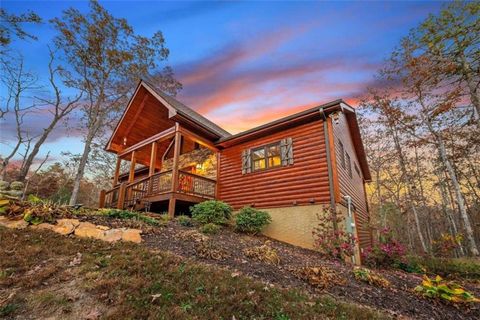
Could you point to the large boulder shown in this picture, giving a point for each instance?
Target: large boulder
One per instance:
(113, 235)
(132, 235)
(65, 226)
(88, 230)
(13, 224)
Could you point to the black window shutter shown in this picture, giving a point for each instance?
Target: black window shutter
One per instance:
(246, 161)
(286, 151)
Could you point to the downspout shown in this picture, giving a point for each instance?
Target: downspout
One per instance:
(350, 223)
(329, 160)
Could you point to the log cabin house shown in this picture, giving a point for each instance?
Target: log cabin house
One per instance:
(291, 167)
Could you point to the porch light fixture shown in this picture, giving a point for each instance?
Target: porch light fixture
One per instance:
(124, 141)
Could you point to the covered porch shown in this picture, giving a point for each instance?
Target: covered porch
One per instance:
(172, 168)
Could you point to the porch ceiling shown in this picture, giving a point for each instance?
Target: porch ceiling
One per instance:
(143, 154)
(145, 117)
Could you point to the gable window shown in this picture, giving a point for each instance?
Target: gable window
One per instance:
(349, 164)
(342, 154)
(268, 156)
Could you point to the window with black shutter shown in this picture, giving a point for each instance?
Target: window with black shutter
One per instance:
(268, 156)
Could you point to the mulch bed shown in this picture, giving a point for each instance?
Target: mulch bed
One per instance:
(398, 300)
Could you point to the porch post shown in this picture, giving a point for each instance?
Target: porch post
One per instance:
(117, 172)
(153, 162)
(153, 159)
(131, 176)
(101, 200)
(176, 156)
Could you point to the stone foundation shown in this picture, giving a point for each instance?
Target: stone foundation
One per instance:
(294, 225)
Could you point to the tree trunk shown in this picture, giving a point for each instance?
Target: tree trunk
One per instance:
(82, 165)
(458, 193)
(36, 148)
(405, 173)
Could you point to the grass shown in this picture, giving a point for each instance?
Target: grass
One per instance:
(130, 281)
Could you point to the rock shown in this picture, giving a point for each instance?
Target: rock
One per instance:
(13, 224)
(113, 235)
(132, 235)
(46, 226)
(65, 226)
(103, 228)
(88, 230)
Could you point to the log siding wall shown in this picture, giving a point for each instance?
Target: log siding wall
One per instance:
(299, 183)
(354, 186)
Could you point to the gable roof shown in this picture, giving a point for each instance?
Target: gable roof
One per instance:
(188, 112)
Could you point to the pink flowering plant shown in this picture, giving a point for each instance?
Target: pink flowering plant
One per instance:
(330, 241)
(387, 252)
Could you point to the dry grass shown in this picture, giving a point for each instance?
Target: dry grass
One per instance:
(42, 275)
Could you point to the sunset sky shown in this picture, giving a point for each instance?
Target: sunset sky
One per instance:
(246, 63)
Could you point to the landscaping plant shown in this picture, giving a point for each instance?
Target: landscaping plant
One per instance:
(370, 277)
(211, 211)
(250, 220)
(388, 252)
(331, 241)
(209, 228)
(125, 214)
(185, 221)
(264, 253)
(442, 290)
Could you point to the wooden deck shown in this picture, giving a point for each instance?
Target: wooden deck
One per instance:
(158, 187)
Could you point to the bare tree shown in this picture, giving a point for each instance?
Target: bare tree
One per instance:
(106, 58)
(17, 82)
(57, 108)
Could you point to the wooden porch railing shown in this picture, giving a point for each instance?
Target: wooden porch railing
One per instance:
(129, 195)
(196, 185)
(111, 197)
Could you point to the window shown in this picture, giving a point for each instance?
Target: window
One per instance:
(268, 156)
(258, 157)
(342, 154)
(349, 164)
(356, 169)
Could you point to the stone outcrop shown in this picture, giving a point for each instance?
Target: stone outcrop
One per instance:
(79, 229)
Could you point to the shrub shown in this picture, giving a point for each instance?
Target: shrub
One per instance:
(330, 242)
(251, 220)
(370, 277)
(388, 252)
(264, 253)
(445, 291)
(209, 228)
(185, 221)
(446, 244)
(132, 215)
(211, 211)
(448, 267)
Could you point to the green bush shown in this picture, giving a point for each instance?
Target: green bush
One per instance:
(209, 228)
(211, 211)
(251, 220)
(185, 221)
